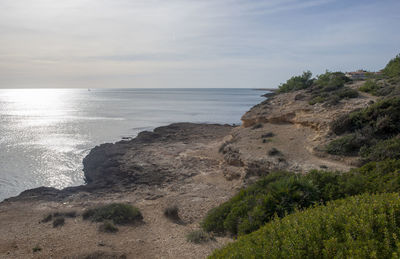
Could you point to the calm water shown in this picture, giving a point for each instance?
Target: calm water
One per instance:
(45, 133)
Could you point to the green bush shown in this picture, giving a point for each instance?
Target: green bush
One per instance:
(392, 68)
(370, 86)
(297, 83)
(279, 194)
(346, 145)
(382, 150)
(329, 88)
(367, 126)
(117, 212)
(365, 226)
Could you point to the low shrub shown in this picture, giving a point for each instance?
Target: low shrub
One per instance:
(118, 213)
(58, 221)
(365, 226)
(279, 194)
(346, 145)
(379, 121)
(274, 152)
(47, 218)
(108, 227)
(172, 213)
(382, 150)
(370, 86)
(275, 194)
(198, 237)
(329, 88)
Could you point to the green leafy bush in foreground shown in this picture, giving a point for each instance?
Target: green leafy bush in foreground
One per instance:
(279, 194)
(365, 226)
(116, 212)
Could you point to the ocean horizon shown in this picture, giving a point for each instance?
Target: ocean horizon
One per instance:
(45, 133)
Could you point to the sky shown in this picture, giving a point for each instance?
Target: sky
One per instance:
(190, 43)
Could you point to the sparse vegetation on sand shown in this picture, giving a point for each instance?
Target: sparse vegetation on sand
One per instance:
(172, 213)
(58, 221)
(118, 213)
(108, 227)
(198, 237)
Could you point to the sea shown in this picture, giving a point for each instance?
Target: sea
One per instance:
(46, 133)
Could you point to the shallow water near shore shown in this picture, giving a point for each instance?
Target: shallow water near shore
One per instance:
(45, 133)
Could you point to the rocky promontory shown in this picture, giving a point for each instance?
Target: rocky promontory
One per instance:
(192, 166)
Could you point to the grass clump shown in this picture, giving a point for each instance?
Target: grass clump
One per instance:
(198, 237)
(365, 226)
(118, 213)
(58, 221)
(108, 227)
(172, 213)
(47, 218)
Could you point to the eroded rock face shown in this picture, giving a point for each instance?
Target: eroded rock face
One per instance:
(287, 123)
(294, 108)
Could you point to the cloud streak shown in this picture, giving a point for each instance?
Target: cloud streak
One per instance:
(189, 43)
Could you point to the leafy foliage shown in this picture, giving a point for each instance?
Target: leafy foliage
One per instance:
(367, 127)
(279, 194)
(329, 88)
(116, 212)
(392, 68)
(371, 87)
(366, 226)
(383, 149)
(297, 83)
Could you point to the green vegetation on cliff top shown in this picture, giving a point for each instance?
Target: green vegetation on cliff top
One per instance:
(318, 215)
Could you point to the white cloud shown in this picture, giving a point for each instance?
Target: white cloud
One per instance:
(158, 43)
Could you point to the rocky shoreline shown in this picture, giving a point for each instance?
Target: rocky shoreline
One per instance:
(193, 166)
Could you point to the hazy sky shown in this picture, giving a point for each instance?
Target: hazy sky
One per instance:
(190, 43)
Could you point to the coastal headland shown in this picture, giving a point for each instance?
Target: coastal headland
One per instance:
(194, 167)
